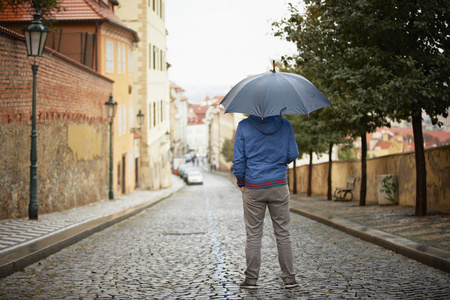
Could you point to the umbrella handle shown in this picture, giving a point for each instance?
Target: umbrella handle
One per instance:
(281, 117)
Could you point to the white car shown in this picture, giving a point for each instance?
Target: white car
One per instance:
(194, 177)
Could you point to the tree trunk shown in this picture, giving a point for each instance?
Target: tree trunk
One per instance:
(421, 172)
(362, 195)
(330, 161)
(295, 177)
(310, 172)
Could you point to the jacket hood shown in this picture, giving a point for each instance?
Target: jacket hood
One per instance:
(268, 125)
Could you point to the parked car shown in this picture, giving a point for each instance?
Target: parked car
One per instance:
(194, 177)
(185, 172)
(181, 170)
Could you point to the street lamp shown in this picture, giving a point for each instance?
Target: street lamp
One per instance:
(111, 107)
(35, 38)
(140, 118)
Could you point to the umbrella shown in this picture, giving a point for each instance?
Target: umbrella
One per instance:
(274, 93)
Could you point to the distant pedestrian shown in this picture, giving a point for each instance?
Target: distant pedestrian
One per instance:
(263, 147)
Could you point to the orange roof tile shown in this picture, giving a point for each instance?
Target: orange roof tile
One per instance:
(71, 10)
(383, 145)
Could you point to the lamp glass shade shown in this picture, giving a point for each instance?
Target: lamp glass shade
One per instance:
(140, 118)
(35, 36)
(111, 107)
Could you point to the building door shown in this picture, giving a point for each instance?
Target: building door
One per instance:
(124, 163)
(136, 170)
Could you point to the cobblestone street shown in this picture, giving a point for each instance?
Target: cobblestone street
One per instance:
(191, 246)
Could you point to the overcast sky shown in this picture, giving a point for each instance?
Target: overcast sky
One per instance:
(213, 44)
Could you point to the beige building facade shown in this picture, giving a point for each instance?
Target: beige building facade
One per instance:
(221, 127)
(150, 89)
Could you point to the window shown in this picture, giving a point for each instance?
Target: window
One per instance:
(154, 2)
(150, 55)
(109, 56)
(163, 61)
(160, 60)
(154, 114)
(154, 57)
(119, 176)
(119, 59)
(150, 123)
(162, 112)
(124, 68)
(130, 60)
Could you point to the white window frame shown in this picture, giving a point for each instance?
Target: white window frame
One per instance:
(124, 61)
(119, 59)
(109, 49)
(130, 60)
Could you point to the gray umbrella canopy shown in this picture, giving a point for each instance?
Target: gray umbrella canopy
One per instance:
(274, 93)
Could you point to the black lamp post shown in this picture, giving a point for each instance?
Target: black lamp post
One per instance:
(35, 38)
(111, 107)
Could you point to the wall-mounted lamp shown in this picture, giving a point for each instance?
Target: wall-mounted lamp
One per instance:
(140, 121)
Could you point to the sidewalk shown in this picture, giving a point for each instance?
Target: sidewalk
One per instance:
(23, 242)
(425, 239)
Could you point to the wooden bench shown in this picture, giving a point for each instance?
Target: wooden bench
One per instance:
(341, 192)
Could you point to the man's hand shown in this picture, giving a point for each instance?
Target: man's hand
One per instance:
(242, 189)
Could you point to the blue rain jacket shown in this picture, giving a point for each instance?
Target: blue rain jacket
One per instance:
(263, 147)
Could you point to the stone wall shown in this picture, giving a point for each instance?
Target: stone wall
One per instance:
(72, 131)
(403, 165)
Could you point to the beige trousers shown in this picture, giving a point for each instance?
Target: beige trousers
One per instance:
(255, 203)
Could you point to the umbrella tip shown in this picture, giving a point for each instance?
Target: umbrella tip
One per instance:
(273, 62)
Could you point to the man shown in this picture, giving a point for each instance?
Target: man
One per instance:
(263, 147)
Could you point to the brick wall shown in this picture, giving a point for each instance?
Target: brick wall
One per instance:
(68, 95)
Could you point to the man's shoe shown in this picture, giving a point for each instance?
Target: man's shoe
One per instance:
(246, 285)
(291, 284)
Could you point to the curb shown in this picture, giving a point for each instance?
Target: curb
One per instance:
(28, 254)
(430, 256)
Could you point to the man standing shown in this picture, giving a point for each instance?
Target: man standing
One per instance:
(263, 147)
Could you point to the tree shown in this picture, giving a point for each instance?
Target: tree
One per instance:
(379, 59)
(328, 125)
(45, 7)
(227, 149)
(309, 139)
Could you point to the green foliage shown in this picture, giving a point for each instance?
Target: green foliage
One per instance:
(227, 149)
(346, 153)
(389, 188)
(373, 59)
(308, 134)
(45, 7)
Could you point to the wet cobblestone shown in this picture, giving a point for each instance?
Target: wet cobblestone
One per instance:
(191, 246)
